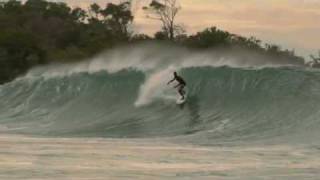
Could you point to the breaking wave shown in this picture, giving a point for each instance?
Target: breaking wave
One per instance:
(123, 93)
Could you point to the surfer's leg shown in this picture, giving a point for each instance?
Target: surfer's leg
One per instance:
(181, 91)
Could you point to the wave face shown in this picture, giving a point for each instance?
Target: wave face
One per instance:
(223, 101)
(228, 103)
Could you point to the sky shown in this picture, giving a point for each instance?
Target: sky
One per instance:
(293, 24)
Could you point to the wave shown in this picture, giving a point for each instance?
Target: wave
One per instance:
(125, 95)
(223, 101)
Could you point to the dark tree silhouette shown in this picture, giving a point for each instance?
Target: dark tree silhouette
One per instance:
(118, 18)
(166, 12)
(38, 31)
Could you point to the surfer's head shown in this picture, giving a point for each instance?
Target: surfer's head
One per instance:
(175, 74)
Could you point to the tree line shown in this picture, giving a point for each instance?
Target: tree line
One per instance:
(39, 32)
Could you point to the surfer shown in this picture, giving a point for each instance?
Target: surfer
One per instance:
(180, 86)
(315, 60)
(315, 63)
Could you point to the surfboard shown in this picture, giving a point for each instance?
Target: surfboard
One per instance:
(181, 101)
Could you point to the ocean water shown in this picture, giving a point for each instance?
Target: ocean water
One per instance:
(114, 117)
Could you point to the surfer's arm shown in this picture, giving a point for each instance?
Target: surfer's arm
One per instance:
(171, 81)
(177, 85)
(312, 57)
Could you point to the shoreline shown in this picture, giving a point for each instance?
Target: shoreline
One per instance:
(74, 158)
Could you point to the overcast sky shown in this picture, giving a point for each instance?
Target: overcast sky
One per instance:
(293, 24)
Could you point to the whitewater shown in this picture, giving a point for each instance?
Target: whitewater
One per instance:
(115, 117)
